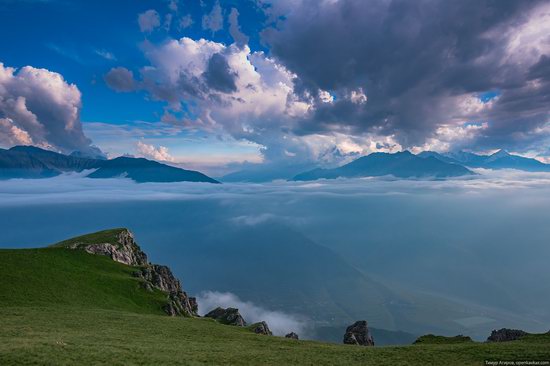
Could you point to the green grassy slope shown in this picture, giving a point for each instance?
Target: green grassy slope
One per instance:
(57, 277)
(85, 336)
(59, 306)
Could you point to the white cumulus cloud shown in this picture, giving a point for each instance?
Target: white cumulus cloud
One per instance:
(217, 88)
(11, 135)
(279, 322)
(38, 106)
(156, 153)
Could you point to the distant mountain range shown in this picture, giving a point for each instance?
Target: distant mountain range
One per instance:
(427, 164)
(33, 162)
(401, 165)
(499, 160)
(260, 173)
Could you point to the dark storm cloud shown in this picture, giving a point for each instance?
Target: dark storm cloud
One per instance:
(541, 70)
(413, 59)
(219, 75)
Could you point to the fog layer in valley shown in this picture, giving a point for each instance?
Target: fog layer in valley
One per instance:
(448, 257)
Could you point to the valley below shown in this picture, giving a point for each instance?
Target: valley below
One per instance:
(411, 257)
(98, 300)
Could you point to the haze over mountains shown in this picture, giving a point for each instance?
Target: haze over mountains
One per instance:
(419, 263)
(33, 162)
(427, 164)
(421, 256)
(499, 160)
(401, 165)
(316, 281)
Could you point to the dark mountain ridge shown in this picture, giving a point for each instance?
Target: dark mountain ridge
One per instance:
(401, 165)
(33, 162)
(427, 164)
(499, 160)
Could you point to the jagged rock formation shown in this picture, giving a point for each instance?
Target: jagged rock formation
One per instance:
(506, 335)
(229, 316)
(161, 278)
(358, 334)
(261, 328)
(124, 250)
(292, 335)
(120, 246)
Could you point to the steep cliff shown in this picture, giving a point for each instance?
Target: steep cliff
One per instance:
(120, 246)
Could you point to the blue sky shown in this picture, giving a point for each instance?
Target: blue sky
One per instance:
(77, 39)
(83, 40)
(216, 84)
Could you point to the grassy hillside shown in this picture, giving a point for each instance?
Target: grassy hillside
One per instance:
(57, 277)
(59, 306)
(88, 336)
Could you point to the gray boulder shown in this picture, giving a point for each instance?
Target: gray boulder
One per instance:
(506, 335)
(358, 334)
(292, 335)
(229, 316)
(261, 328)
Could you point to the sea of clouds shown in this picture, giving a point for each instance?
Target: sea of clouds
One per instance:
(75, 187)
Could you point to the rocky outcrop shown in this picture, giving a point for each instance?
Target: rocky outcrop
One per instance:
(194, 306)
(120, 246)
(506, 335)
(179, 304)
(358, 334)
(261, 328)
(229, 316)
(292, 335)
(159, 277)
(124, 249)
